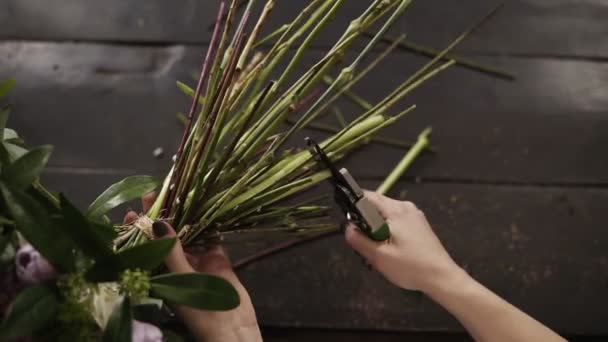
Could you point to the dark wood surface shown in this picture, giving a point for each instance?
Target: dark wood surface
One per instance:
(558, 27)
(112, 105)
(517, 190)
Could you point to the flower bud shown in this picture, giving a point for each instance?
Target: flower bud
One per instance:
(31, 267)
(145, 332)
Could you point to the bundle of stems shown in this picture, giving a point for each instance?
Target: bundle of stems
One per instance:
(232, 171)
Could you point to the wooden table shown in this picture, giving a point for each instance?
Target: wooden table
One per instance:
(517, 190)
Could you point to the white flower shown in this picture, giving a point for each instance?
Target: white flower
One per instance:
(31, 267)
(104, 302)
(145, 332)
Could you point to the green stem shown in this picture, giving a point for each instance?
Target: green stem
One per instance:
(46, 193)
(379, 140)
(254, 34)
(271, 36)
(281, 247)
(430, 52)
(322, 109)
(408, 159)
(358, 100)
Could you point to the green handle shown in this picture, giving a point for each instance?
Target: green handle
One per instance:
(381, 234)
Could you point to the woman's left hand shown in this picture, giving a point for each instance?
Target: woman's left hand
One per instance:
(239, 324)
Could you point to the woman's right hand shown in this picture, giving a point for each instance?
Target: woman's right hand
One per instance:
(413, 258)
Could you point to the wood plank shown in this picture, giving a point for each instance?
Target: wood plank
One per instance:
(551, 119)
(110, 106)
(100, 106)
(543, 249)
(300, 334)
(561, 27)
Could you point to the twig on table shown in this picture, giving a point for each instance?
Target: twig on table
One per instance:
(279, 248)
(408, 159)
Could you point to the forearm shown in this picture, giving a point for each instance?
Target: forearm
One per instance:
(486, 316)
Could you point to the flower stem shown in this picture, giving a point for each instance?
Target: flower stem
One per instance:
(430, 52)
(281, 247)
(410, 156)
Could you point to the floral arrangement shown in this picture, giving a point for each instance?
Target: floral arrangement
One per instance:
(233, 170)
(71, 284)
(76, 276)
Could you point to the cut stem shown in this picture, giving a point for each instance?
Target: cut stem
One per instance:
(430, 52)
(408, 159)
(281, 247)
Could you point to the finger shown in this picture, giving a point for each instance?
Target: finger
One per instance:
(147, 200)
(176, 260)
(387, 206)
(215, 261)
(379, 201)
(130, 217)
(361, 243)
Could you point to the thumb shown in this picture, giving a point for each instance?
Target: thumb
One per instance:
(361, 243)
(176, 260)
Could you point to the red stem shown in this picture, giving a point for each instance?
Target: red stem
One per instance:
(279, 248)
(298, 106)
(239, 4)
(194, 106)
(216, 106)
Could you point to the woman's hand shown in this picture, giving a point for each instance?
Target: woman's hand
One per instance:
(413, 258)
(239, 324)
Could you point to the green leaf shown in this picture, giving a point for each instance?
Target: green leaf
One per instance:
(37, 226)
(10, 134)
(150, 313)
(189, 91)
(4, 113)
(170, 336)
(86, 238)
(4, 221)
(6, 86)
(7, 250)
(198, 290)
(146, 256)
(106, 231)
(14, 151)
(126, 190)
(32, 310)
(25, 170)
(4, 241)
(120, 323)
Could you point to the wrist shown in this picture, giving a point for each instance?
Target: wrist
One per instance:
(449, 278)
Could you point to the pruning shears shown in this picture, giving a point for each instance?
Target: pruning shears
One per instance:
(351, 198)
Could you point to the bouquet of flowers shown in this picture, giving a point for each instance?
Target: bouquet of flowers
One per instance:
(71, 284)
(79, 277)
(233, 170)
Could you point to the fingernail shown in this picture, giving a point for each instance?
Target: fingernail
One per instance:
(159, 228)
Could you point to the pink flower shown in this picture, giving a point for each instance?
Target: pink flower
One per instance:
(145, 332)
(31, 267)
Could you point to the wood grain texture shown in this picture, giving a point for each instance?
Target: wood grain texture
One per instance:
(540, 27)
(517, 190)
(543, 249)
(109, 107)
